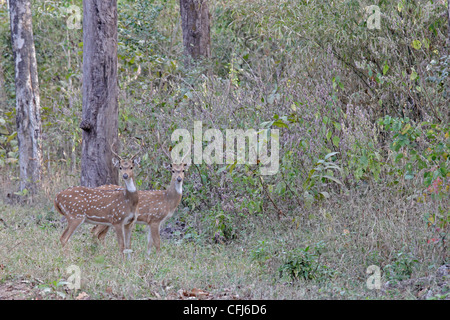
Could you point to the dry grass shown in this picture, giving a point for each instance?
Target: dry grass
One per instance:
(365, 227)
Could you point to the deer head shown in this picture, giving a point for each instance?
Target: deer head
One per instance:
(126, 167)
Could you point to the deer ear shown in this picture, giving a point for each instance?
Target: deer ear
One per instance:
(115, 162)
(137, 160)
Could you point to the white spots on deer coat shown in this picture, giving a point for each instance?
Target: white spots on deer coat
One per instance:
(94, 204)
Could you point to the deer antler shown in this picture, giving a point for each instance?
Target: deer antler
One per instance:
(139, 151)
(111, 146)
(163, 147)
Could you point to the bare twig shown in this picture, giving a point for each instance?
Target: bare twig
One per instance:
(280, 213)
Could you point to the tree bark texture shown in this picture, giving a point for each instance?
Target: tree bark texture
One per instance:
(28, 116)
(448, 29)
(100, 92)
(195, 23)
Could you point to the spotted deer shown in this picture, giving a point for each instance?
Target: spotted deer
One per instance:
(155, 206)
(116, 208)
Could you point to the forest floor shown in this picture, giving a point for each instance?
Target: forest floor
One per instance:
(323, 255)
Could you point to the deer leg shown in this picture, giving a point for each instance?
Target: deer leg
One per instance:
(149, 240)
(99, 232)
(156, 239)
(73, 224)
(128, 231)
(102, 234)
(120, 232)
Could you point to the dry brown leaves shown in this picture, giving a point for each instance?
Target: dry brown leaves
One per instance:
(201, 294)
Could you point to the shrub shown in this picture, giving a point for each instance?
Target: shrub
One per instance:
(306, 264)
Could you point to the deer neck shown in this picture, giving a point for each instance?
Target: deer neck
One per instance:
(131, 191)
(174, 192)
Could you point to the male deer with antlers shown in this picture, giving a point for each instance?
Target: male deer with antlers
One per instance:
(116, 208)
(155, 206)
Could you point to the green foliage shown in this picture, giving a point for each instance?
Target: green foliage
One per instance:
(438, 226)
(55, 287)
(319, 176)
(306, 264)
(364, 161)
(140, 41)
(219, 226)
(420, 147)
(8, 141)
(401, 268)
(261, 252)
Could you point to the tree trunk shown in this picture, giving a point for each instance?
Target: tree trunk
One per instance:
(195, 23)
(100, 92)
(28, 117)
(448, 29)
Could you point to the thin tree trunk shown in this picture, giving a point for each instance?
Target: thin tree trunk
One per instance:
(195, 23)
(3, 95)
(448, 29)
(28, 118)
(100, 92)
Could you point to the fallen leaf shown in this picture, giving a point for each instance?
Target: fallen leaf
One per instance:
(198, 293)
(82, 296)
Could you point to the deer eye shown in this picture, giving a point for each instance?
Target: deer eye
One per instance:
(183, 170)
(120, 168)
(131, 168)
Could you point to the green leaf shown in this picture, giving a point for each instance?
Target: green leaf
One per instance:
(330, 155)
(12, 136)
(99, 259)
(337, 125)
(414, 75)
(280, 123)
(406, 128)
(280, 188)
(330, 165)
(385, 68)
(221, 169)
(232, 166)
(417, 44)
(364, 161)
(332, 178)
(325, 194)
(336, 141)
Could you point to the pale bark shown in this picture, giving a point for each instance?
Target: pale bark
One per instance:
(28, 118)
(448, 29)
